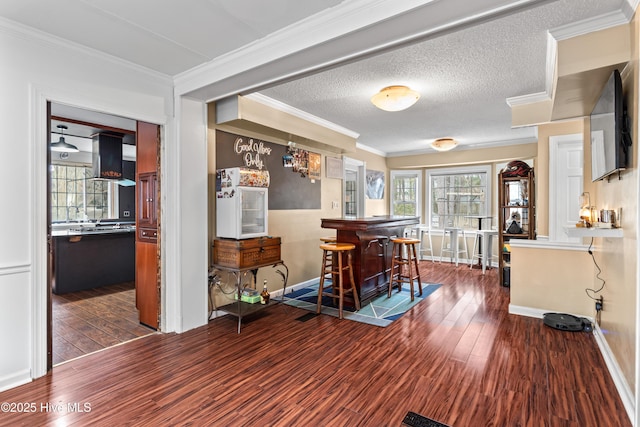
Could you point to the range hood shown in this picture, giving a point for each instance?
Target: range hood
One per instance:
(107, 156)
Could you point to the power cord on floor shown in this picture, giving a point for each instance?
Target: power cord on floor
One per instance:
(593, 293)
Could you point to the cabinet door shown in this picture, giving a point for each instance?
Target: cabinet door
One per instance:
(147, 216)
(147, 289)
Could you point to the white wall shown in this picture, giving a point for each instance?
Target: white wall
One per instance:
(35, 69)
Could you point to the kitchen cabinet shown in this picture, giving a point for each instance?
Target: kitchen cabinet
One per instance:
(147, 207)
(516, 212)
(88, 260)
(147, 283)
(147, 224)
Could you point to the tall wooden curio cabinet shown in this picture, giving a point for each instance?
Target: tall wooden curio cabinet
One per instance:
(516, 211)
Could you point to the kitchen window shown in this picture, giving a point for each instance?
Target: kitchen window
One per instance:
(453, 194)
(75, 196)
(405, 193)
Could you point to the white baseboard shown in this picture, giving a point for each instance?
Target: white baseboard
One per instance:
(296, 286)
(625, 392)
(14, 380)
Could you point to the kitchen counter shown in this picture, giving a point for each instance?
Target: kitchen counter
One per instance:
(90, 257)
(83, 230)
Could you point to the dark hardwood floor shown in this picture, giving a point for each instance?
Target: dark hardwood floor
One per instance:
(95, 319)
(458, 357)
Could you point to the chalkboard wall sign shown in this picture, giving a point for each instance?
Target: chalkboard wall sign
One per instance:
(287, 190)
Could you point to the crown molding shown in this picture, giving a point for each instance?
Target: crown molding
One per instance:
(363, 147)
(465, 147)
(528, 99)
(565, 32)
(273, 103)
(49, 41)
(590, 25)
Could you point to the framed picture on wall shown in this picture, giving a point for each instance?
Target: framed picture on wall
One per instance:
(375, 184)
(333, 167)
(314, 165)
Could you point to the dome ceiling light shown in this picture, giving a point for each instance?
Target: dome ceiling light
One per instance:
(444, 144)
(62, 146)
(395, 98)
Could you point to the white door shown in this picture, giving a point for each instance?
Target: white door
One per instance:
(353, 190)
(566, 167)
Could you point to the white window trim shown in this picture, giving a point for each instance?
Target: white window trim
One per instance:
(458, 170)
(407, 172)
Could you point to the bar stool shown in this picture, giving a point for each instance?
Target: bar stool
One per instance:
(420, 231)
(402, 245)
(483, 253)
(333, 278)
(330, 253)
(453, 246)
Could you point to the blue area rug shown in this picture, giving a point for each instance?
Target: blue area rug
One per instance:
(381, 311)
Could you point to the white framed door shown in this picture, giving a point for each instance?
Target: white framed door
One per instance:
(353, 191)
(566, 178)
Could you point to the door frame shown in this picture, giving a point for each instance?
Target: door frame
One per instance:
(556, 144)
(41, 357)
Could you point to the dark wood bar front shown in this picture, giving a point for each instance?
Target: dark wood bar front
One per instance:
(372, 255)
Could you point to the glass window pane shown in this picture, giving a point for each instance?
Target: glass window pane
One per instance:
(457, 195)
(74, 196)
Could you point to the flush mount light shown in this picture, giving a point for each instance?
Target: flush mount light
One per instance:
(62, 145)
(444, 144)
(395, 98)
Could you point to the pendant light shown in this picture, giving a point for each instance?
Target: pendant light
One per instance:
(62, 146)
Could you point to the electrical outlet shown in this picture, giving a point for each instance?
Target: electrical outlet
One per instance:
(126, 213)
(599, 304)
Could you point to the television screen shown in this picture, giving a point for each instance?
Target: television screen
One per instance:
(608, 146)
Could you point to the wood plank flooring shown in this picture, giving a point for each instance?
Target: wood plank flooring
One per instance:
(458, 357)
(92, 320)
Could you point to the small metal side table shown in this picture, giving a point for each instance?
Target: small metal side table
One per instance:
(240, 308)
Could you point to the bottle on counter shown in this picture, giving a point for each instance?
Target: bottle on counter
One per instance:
(264, 295)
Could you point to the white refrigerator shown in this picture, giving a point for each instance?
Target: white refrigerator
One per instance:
(242, 203)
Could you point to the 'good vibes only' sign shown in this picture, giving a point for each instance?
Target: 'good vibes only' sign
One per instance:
(252, 151)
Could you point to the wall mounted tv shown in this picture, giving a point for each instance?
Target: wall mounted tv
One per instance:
(610, 138)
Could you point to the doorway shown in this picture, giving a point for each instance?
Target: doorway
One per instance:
(566, 182)
(353, 192)
(92, 221)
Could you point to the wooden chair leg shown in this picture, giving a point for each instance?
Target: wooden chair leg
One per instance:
(321, 285)
(340, 288)
(354, 290)
(392, 276)
(415, 260)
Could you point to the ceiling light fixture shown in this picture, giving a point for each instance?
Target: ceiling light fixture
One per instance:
(62, 145)
(395, 98)
(444, 144)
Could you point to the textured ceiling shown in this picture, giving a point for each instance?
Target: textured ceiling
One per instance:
(464, 78)
(465, 72)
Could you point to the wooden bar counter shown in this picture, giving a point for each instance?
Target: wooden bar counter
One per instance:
(372, 255)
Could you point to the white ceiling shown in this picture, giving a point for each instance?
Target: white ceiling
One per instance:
(465, 57)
